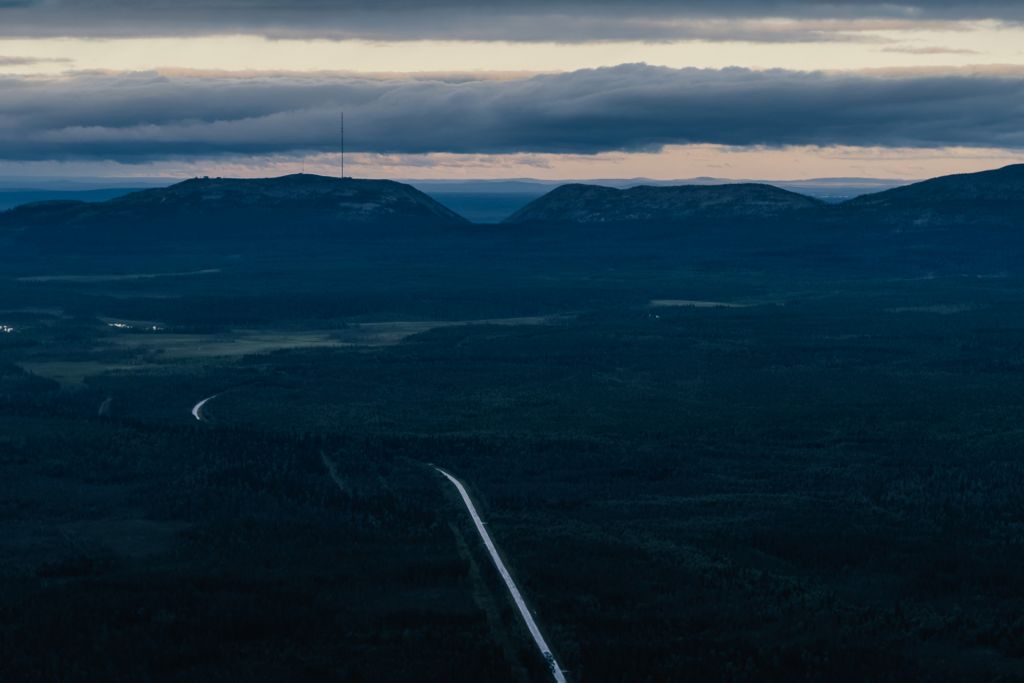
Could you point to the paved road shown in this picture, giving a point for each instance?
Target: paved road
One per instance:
(197, 409)
(524, 611)
(513, 589)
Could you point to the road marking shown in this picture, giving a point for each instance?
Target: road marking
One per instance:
(524, 611)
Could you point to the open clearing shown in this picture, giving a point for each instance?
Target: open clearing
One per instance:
(153, 348)
(114, 277)
(70, 373)
(241, 343)
(172, 346)
(383, 333)
(691, 303)
(938, 309)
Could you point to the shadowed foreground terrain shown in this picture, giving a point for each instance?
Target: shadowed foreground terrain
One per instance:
(702, 457)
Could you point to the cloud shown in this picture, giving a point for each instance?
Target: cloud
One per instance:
(909, 50)
(146, 116)
(545, 20)
(31, 61)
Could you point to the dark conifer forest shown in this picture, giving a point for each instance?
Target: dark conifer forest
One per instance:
(756, 452)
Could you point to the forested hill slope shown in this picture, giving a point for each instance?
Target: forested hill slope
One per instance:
(591, 204)
(237, 208)
(987, 198)
(990, 198)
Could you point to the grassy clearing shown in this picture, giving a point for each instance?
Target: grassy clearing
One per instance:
(114, 277)
(385, 333)
(690, 303)
(141, 350)
(939, 309)
(243, 343)
(71, 373)
(249, 342)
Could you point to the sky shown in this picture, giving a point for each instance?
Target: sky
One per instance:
(552, 89)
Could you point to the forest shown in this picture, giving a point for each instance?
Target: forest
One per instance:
(700, 461)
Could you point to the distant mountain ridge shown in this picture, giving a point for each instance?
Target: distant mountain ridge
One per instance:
(306, 208)
(990, 197)
(220, 207)
(589, 204)
(10, 199)
(348, 199)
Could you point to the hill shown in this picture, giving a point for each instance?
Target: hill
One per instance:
(989, 198)
(593, 204)
(19, 197)
(212, 208)
(993, 199)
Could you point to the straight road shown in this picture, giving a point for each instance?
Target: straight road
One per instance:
(513, 589)
(517, 597)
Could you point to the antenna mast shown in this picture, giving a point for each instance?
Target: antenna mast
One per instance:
(342, 145)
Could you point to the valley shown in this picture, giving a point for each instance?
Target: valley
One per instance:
(700, 457)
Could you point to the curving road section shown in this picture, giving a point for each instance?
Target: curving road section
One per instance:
(524, 611)
(197, 409)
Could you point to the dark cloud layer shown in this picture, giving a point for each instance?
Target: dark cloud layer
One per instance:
(560, 20)
(142, 117)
